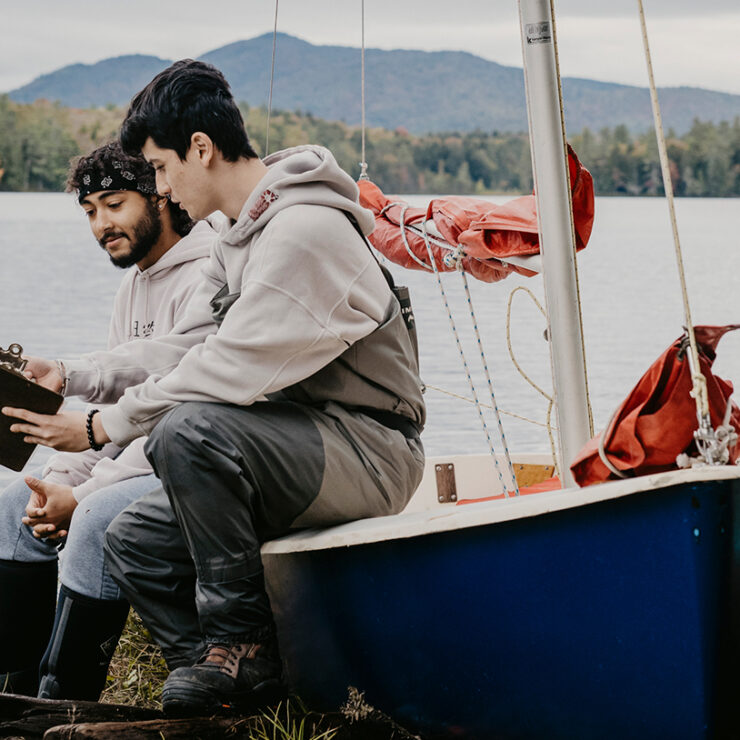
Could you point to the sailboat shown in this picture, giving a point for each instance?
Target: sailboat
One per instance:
(603, 611)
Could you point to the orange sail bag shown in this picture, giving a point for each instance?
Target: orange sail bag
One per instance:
(657, 420)
(488, 233)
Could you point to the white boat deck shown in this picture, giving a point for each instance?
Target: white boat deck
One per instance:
(476, 478)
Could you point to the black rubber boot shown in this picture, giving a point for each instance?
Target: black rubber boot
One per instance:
(28, 593)
(226, 677)
(85, 635)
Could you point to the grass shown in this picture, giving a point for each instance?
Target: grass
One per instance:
(281, 723)
(137, 671)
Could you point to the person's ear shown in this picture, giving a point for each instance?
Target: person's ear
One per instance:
(160, 202)
(202, 146)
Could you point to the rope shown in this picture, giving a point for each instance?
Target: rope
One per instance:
(484, 362)
(272, 79)
(453, 258)
(473, 390)
(699, 390)
(602, 451)
(508, 337)
(363, 163)
(404, 207)
(445, 392)
(550, 399)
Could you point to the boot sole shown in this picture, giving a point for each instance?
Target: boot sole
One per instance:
(188, 699)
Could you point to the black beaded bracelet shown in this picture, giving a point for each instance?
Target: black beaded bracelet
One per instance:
(90, 434)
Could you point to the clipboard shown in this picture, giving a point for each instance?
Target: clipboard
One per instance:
(18, 391)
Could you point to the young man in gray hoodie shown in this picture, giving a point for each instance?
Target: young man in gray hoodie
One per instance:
(304, 409)
(78, 494)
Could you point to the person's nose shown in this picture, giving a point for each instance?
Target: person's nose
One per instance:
(102, 223)
(163, 187)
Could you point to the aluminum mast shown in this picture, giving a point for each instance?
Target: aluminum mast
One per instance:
(555, 221)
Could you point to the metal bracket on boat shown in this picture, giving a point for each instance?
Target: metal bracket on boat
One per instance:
(446, 486)
(11, 358)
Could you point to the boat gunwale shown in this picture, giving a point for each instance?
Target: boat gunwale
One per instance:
(451, 517)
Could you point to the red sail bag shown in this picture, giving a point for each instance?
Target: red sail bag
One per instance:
(657, 420)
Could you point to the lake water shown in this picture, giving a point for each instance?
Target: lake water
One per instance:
(56, 289)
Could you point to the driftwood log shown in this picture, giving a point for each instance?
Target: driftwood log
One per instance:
(214, 728)
(26, 717)
(32, 719)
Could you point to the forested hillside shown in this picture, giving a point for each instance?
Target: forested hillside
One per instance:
(38, 140)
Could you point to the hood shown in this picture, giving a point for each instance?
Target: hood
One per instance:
(308, 175)
(193, 246)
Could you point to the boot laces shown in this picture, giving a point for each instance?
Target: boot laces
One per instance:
(225, 658)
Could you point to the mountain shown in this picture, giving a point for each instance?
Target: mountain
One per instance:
(113, 80)
(420, 91)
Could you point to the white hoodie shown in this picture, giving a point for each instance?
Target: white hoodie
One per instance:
(149, 303)
(308, 289)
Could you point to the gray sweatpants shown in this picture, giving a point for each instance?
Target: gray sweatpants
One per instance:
(235, 477)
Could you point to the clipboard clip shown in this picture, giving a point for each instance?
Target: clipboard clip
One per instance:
(11, 359)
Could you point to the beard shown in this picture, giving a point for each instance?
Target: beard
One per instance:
(143, 237)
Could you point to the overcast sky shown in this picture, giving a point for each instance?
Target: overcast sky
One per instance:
(694, 42)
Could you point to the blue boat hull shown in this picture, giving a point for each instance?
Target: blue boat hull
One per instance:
(610, 620)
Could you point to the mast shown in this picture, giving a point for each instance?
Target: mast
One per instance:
(556, 232)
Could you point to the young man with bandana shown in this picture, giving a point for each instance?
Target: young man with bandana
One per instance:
(78, 494)
(304, 409)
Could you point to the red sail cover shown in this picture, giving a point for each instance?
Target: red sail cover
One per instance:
(488, 233)
(657, 420)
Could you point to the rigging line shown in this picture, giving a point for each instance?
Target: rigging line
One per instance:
(422, 233)
(484, 362)
(602, 450)
(272, 79)
(508, 337)
(402, 217)
(550, 427)
(473, 390)
(550, 399)
(363, 163)
(445, 392)
(699, 390)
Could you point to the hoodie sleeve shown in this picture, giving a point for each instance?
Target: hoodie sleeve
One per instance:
(130, 463)
(90, 471)
(102, 377)
(310, 290)
(73, 468)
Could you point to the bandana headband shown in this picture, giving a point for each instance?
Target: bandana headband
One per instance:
(117, 179)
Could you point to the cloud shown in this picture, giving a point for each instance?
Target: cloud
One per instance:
(653, 8)
(597, 39)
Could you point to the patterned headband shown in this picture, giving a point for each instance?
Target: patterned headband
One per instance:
(117, 179)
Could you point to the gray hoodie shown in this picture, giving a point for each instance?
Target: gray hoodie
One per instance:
(312, 317)
(148, 303)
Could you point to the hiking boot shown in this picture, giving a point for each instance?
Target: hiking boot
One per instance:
(226, 678)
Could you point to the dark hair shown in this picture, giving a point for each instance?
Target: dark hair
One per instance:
(110, 159)
(187, 97)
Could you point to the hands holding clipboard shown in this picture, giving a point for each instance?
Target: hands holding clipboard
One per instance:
(30, 402)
